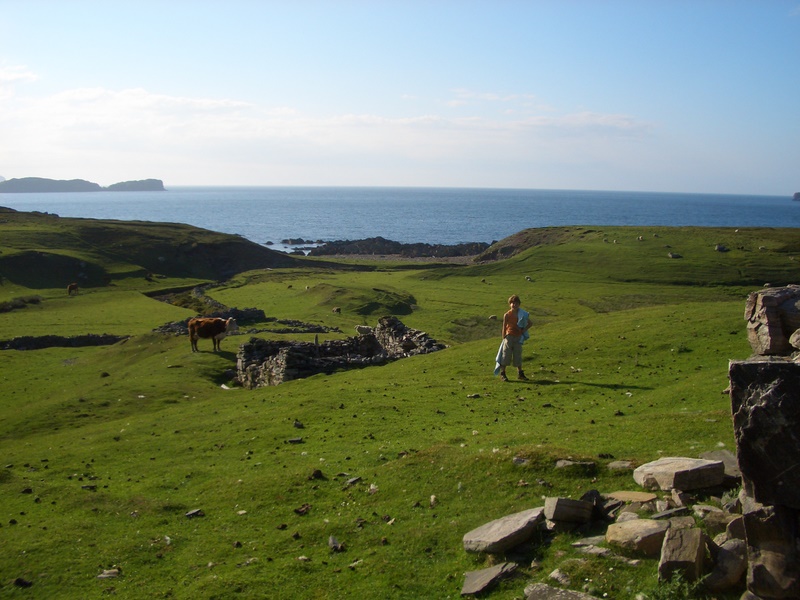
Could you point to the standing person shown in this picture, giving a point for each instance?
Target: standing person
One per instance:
(516, 323)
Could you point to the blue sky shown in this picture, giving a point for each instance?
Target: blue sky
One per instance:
(670, 95)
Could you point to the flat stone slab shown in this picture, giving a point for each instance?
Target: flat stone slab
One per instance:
(476, 582)
(504, 533)
(644, 536)
(620, 465)
(542, 591)
(568, 510)
(626, 496)
(679, 473)
(728, 459)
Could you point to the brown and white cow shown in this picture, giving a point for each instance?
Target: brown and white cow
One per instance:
(211, 327)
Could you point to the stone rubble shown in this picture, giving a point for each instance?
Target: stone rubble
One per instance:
(678, 542)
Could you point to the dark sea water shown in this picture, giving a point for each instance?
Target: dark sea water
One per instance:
(431, 215)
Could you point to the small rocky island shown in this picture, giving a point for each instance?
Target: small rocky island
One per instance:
(796, 196)
(43, 185)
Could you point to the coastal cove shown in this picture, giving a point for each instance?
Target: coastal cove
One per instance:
(408, 215)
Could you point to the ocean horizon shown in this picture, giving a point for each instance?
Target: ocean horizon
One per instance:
(268, 215)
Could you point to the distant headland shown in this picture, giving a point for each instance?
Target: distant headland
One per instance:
(43, 185)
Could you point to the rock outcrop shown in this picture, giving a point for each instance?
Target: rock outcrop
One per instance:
(765, 401)
(773, 318)
(379, 245)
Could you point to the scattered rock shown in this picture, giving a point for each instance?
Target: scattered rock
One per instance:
(335, 544)
(561, 577)
(730, 566)
(583, 467)
(504, 533)
(542, 591)
(643, 536)
(620, 465)
(476, 582)
(773, 316)
(110, 573)
(568, 510)
(682, 553)
(679, 473)
(627, 496)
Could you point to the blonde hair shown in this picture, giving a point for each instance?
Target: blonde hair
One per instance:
(514, 298)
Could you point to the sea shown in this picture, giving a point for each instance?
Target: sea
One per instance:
(274, 215)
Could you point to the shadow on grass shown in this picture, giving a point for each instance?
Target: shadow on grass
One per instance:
(608, 386)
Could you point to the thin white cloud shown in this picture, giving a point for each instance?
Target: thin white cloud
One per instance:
(513, 104)
(16, 74)
(131, 133)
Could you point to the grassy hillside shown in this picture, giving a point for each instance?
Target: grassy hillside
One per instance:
(42, 251)
(105, 450)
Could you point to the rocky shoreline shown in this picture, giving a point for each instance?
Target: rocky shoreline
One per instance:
(379, 247)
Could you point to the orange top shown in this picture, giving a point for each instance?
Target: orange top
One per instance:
(510, 326)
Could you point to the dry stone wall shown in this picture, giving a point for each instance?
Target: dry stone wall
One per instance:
(262, 363)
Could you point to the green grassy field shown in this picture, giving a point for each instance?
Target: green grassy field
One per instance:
(105, 450)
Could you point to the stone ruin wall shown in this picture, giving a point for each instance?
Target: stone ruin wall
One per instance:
(765, 404)
(269, 362)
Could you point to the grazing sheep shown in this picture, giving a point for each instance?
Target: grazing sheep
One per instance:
(336, 310)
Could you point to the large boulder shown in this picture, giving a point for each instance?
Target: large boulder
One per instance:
(772, 316)
(680, 474)
(504, 533)
(568, 510)
(643, 536)
(682, 553)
